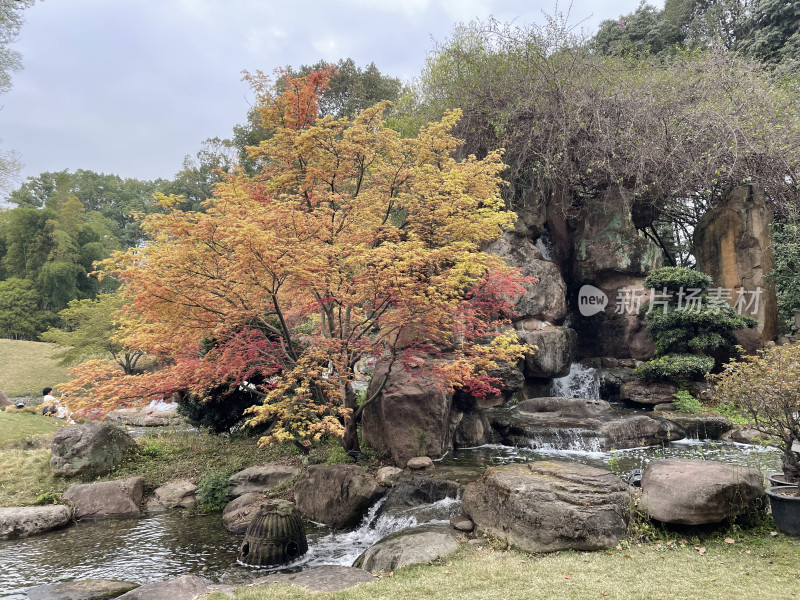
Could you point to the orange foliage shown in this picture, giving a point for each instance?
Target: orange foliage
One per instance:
(351, 242)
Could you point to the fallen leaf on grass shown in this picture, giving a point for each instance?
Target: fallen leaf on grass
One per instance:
(701, 551)
(729, 541)
(773, 533)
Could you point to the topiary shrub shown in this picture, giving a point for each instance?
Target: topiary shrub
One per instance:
(693, 330)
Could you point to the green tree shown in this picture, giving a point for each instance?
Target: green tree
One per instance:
(196, 180)
(693, 331)
(644, 31)
(786, 249)
(123, 201)
(20, 316)
(88, 332)
(351, 89)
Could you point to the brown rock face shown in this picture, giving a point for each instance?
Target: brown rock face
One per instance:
(545, 300)
(411, 417)
(549, 505)
(648, 393)
(613, 333)
(606, 240)
(732, 244)
(337, 495)
(694, 492)
(556, 348)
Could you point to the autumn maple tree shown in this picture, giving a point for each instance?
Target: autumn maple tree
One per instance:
(350, 242)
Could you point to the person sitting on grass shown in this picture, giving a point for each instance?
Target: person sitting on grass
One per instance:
(49, 404)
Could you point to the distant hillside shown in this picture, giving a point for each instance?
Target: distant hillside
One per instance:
(27, 367)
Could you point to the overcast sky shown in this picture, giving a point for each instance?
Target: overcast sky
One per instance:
(132, 86)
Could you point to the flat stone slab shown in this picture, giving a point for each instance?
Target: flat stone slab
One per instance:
(588, 432)
(329, 578)
(106, 499)
(22, 521)
(87, 589)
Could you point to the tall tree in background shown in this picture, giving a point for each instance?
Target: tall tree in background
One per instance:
(123, 201)
(350, 242)
(351, 89)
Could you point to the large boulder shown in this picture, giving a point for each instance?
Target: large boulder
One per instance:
(337, 495)
(703, 427)
(186, 587)
(262, 478)
(92, 449)
(22, 521)
(106, 499)
(175, 494)
(238, 513)
(548, 505)
(472, 430)
(545, 300)
(567, 406)
(696, 492)
(732, 244)
(412, 414)
(85, 589)
(554, 354)
(424, 498)
(409, 547)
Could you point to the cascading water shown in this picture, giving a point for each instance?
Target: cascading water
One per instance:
(582, 382)
(344, 547)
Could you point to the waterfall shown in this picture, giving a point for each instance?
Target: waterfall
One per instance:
(343, 547)
(582, 382)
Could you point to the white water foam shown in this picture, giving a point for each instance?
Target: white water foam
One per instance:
(582, 382)
(344, 547)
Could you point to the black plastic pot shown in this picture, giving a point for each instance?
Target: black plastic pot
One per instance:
(785, 503)
(777, 479)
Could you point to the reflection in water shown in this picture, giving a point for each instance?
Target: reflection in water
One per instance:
(160, 547)
(140, 550)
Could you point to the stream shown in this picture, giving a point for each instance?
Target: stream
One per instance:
(159, 547)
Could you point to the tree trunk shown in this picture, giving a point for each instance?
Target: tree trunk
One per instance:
(350, 439)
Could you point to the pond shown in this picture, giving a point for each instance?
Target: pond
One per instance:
(160, 547)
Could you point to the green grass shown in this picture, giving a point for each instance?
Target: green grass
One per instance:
(748, 568)
(23, 429)
(27, 367)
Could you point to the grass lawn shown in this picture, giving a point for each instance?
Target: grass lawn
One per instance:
(20, 428)
(750, 567)
(27, 367)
